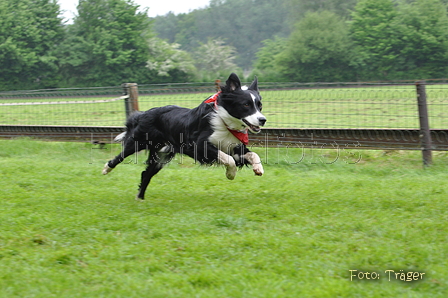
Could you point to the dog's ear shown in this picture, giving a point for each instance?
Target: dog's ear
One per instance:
(254, 85)
(233, 82)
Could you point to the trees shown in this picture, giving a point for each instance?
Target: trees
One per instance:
(169, 62)
(108, 36)
(29, 31)
(424, 39)
(319, 49)
(243, 24)
(340, 7)
(111, 41)
(374, 32)
(214, 59)
(265, 67)
(404, 41)
(383, 40)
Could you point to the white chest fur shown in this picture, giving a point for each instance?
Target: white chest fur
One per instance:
(222, 138)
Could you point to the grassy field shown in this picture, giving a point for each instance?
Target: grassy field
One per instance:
(68, 231)
(368, 107)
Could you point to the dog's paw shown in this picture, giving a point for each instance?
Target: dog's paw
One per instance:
(138, 199)
(258, 169)
(107, 169)
(231, 172)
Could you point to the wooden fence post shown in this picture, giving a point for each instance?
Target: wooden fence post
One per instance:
(425, 132)
(218, 85)
(131, 102)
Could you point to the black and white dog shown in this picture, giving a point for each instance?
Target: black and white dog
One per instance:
(214, 132)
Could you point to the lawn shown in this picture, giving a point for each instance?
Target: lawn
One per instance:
(363, 107)
(297, 231)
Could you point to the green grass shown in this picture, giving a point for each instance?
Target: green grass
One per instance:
(68, 231)
(366, 107)
(94, 114)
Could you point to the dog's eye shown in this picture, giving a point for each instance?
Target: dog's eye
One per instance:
(246, 105)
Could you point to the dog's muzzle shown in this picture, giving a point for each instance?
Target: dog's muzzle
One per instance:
(255, 128)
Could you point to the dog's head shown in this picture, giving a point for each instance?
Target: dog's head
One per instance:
(240, 107)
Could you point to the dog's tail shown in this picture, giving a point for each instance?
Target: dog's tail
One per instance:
(131, 123)
(120, 137)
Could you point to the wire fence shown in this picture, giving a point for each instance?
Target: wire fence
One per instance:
(286, 105)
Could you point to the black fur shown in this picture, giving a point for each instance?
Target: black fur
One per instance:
(169, 130)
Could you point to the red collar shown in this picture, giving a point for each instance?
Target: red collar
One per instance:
(243, 137)
(214, 99)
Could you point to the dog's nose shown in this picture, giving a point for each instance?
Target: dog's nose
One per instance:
(261, 120)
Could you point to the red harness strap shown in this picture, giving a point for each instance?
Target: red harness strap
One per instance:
(242, 136)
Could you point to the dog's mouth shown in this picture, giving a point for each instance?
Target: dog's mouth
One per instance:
(253, 128)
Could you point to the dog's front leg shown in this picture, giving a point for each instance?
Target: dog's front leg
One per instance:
(229, 163)
(255, 161)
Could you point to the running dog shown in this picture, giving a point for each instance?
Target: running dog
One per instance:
(214, 132)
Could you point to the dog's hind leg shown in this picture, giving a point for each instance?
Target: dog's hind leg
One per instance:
(156, 161)
(130, 147)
